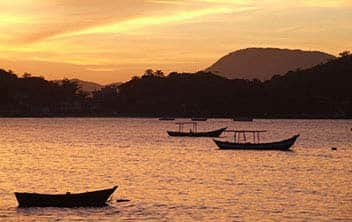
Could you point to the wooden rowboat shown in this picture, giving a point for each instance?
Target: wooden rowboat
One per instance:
(88, 199)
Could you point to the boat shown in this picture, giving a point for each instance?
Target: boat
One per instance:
(283, 145)
(199, 119)
(243, 119)
(194, 132)
(166, 118)
(214, 133)
(88, 199)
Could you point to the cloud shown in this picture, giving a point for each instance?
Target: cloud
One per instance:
(326, 3)
(183, 2)
(279, 4)
(100, 69)
(142, 22)
(12, 19)
(42, 20)
(28, 21)
(181, 35)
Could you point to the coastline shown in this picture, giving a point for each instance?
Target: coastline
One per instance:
(283, 117)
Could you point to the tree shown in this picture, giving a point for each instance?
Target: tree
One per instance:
(70, 87)
(27, 75)
(345, 53)
(159, 73)
(134, 78)
(148, 72)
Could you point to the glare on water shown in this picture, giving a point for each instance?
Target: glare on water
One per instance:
(177, 179)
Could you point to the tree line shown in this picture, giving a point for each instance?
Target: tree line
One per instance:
(323, 91)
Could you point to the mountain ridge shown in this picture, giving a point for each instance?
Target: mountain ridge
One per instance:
(322, 91)
(264, 63)
(89, 86)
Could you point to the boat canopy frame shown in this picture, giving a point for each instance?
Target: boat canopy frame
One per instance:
(238, 133)
(194, 128)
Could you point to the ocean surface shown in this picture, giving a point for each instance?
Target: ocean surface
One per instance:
(177, 179)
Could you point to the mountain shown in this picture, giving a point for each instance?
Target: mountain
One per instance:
(263, 63)
(115, 84)
(322, 91)
(87, 86)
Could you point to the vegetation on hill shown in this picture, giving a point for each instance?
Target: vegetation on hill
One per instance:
(88, 87)
(33, 96)
(323, 91)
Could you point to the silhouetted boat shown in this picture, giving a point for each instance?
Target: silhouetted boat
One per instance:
(166, 118)
(243, 119)
(194, 132)
(199, 119)
(88, 199)
(283, 145)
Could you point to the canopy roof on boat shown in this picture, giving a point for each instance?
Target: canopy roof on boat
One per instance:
(245, 131)
(186, 123)
(238, 133)
(181, 124)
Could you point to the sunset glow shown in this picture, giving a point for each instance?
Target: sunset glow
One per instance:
(109, 41)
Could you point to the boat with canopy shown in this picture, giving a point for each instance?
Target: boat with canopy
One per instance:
(193, 132)
(240, 141)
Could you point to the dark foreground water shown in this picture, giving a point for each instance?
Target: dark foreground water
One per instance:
(177, 179)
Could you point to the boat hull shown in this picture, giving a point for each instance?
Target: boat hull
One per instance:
(199, 119)
(215, 133)
(87, 199)
(166, 119)
(243, 119)
(283, 145)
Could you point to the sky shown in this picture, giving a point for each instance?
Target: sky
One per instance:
(109, 41)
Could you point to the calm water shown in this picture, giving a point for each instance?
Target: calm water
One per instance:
(177, 179)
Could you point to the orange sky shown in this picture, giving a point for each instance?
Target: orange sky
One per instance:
(108, 41)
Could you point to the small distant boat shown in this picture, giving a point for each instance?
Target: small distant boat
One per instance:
(199, 119)
(283, 145)
(88, 199)
(214, 133)
(166, 118)
(194, 132)
(243, 119)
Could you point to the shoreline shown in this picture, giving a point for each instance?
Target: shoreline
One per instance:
(176, 117)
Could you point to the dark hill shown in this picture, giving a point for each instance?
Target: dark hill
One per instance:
(34, 96)
(263, 63)
(322, 91)
(85, 86)
(89, 87)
